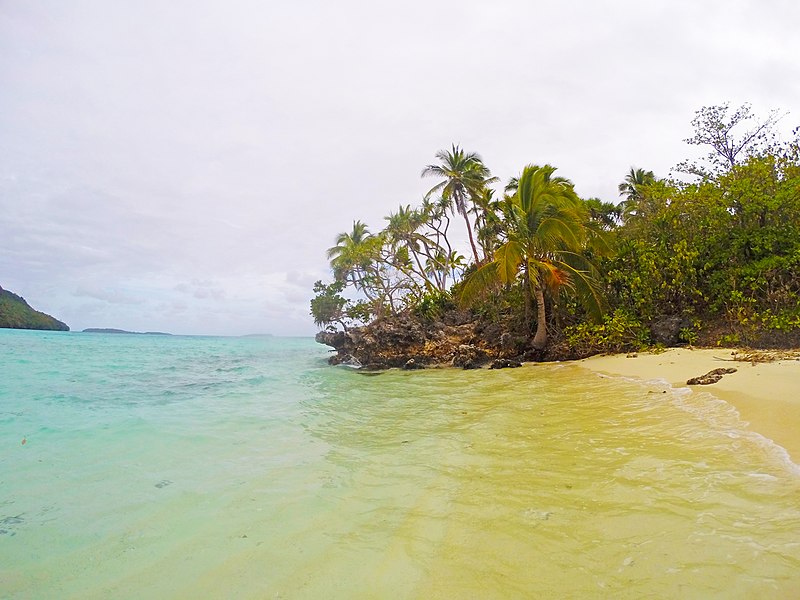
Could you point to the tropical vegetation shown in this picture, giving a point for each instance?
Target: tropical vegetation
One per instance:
(16, 313)
(715, 247)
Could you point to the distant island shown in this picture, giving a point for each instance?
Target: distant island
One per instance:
(111, 330)
(16, 313)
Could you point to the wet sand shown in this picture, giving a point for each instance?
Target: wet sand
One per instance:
(766, 395)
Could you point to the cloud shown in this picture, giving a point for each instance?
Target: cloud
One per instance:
(112, 296)
(184, 166)
(201, 289)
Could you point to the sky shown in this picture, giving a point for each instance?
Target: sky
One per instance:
(183, 166)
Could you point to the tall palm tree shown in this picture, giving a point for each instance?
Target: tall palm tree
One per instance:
(546, 235)
(487, 221)
(464, 177)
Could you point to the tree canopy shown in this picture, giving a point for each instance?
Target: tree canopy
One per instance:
(722, 252)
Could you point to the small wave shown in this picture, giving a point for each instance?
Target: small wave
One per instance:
(721, 416)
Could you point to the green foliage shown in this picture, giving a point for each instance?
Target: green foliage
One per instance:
(729, 340)
(327, 306)
(786, 320)
(15, 313)
(725, 249)
(502, 304)
(689, 336)
(619, 332)
(358, 311)
(433, 305)
(547, 234)
(464, 177)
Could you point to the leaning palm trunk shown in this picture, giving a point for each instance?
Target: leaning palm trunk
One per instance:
(471, 239)
(540, 338)
(546, 237)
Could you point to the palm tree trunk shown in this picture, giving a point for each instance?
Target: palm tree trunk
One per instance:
(471, 240)
(528, 295)
(540, 339)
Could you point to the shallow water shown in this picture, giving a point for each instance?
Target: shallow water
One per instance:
(186, 467)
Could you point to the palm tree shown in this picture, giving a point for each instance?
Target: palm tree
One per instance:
(546, 236)
(351, 255)
(403, 235)
(606, 215)
(465, 176)
(512, 185)
(633, 188)
(634, 181)
(488, 222)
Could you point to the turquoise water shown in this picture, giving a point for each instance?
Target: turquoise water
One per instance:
(185, 467)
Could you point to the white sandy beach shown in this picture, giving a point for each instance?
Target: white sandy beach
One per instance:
(767, 395)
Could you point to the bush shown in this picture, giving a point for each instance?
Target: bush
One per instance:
(619, 332)
(433, 305)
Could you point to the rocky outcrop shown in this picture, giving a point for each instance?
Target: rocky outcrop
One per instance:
(407, 342)
(505, 363)
(334, 339)
(666, 330)
(468, 356)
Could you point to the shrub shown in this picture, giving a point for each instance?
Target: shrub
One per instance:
(433, 305)
(619, 332)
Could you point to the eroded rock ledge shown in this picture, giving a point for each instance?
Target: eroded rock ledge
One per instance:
(407, 342)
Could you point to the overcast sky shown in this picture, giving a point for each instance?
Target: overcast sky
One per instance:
(183, 166)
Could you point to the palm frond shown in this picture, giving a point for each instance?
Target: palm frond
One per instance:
(478, 283)
(508, 258)
(585, 283)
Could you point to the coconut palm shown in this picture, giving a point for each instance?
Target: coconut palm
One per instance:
(546, 236)
(633, 189)
(512, 185)
(606, 215)
(634, 181)
(488, 221)
(351, 256)
(464, 177)
(409, 244)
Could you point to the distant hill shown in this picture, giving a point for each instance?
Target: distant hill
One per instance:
(15, 313)
(112, 330)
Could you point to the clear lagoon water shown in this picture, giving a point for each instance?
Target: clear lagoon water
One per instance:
(200, 467)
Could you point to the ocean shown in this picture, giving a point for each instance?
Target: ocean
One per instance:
(137, 466)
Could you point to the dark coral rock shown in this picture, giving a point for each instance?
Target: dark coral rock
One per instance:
(334, 339)
(412, 365)
(469, 357)
(505, 363)
(710, 377)
(666, 330)
(346, 360)
(533, 355)
(374, 367)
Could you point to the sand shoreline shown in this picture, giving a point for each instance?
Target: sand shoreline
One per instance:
(766, 395)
